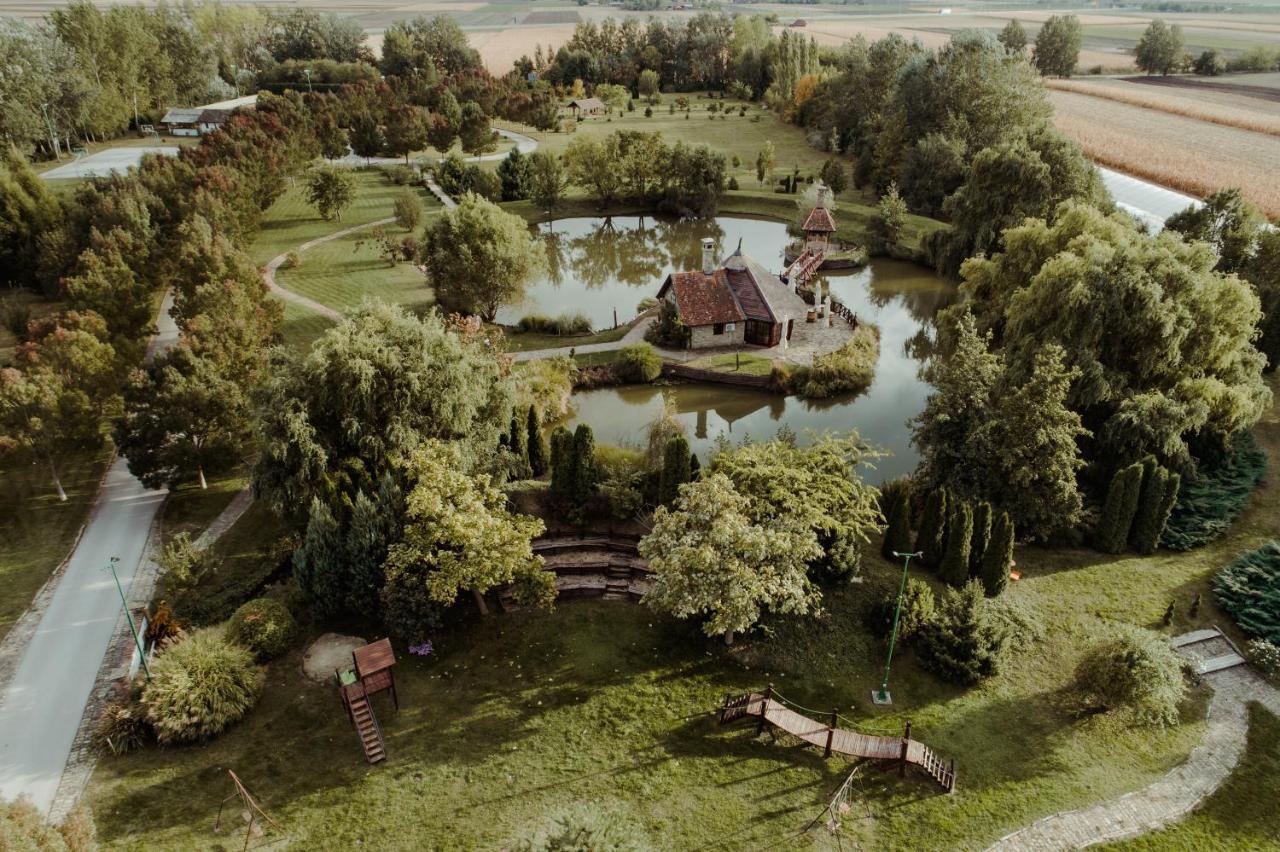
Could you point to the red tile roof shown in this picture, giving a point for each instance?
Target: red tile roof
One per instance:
(753, 303)
(819, 219)
(703, 299)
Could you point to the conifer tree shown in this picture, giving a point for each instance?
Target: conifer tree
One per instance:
(675, 470)
(536, 442)
(930, 537)
(998, 557)
(1153, 506)
(695, 466)
(897, 535)
(583, 464)
(981, 537)
(955, 563)
(519, 445)
(561, 462)
(1120, 507)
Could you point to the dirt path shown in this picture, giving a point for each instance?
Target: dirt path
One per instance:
(269, 271)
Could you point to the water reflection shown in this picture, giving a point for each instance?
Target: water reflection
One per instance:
(900, 297)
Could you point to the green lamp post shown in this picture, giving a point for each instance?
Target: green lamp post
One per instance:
(137, 640)
(881, 695)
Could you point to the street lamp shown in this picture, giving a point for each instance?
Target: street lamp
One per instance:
(307, 71)
(881, 695)
(133, 628)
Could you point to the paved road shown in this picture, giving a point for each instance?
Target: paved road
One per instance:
(1147, 201)
(41, 708)
(110, 161)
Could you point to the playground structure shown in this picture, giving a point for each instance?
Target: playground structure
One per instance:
(771, 708)
(370, 674)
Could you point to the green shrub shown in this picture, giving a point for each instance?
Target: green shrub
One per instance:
(1265, 655)
(897, 534)
(123, 726)
(199, 687)
(998, 557)
(401, 175)
(675, 470)
(182, 563)
(933, 528)
(1159, 492)
(965, 642)
(955, 562)
(621, 474)
(23, 828)
(667, 330)
(1138, 671)
(1210, 501)
(638, 363)
(918, 609)
(264, 626)
(849, 369)
(407, 209)
(1249, 590)
(547, 384)
(1120, 508)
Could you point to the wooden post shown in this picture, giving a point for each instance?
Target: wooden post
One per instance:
(951, 777)
(902, 761)
(764, 706)
(831, 731)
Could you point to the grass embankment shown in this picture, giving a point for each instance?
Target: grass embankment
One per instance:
(515, 716)
(36, 529)
(190, 509)
(524, 341)
(339, 273)
(742, 363)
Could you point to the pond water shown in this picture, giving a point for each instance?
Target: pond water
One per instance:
(900, 297)
(599, 266)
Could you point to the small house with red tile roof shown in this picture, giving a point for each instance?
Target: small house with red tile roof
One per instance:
(736, 303)
(819, 225)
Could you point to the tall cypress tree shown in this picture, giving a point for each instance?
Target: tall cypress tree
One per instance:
(519, 446)
(1159, 492)
(536, 441)
(932, 531)
(675, 470)
(999, 556)
(981, 537)
(897, 536)
(695, 466)
(1120, 507)
(583, 465)
(561, 462)
(955, 563)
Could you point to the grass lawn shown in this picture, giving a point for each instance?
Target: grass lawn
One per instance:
(729, 362)
(1242, 814)
(36, 530)
(191, 509)
(342, 273)
(524, 341)
(518, 715)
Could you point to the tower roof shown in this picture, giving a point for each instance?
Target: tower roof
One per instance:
(819, 220)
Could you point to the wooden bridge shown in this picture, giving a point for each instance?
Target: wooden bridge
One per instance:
(804, 267)
(771, 708)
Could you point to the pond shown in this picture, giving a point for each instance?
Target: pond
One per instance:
(900, 297)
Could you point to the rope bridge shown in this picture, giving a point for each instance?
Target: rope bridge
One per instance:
(771, 708)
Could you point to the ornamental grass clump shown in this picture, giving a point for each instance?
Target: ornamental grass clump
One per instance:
(263, 626)
(199, 687)
(1137, 671)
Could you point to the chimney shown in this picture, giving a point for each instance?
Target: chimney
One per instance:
(708, 255)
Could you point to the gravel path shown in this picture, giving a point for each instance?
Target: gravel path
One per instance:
(269, 271)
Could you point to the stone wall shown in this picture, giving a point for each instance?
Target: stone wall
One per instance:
(703, 336)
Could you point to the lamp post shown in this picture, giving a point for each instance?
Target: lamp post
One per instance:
(137, 640)
(881, 695)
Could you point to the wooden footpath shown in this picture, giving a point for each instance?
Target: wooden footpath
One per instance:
(769, 707)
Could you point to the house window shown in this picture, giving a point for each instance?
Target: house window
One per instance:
(718, 328)
(730, 327)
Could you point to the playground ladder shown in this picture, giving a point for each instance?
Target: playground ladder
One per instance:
(367, 728)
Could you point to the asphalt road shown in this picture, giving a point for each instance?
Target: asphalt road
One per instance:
(40, 712)
(1149, 203)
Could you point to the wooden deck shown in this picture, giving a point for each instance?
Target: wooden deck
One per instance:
(835, 740)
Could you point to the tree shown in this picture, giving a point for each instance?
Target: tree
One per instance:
(110, 280)
(1057, 47)
(1013, 37)
(405, 131)
(29, 218)
(1209, 63)
(675, 470)
(709, 559)
(648, 84)
(833, 175)
(613, 97)
(427, 45)
(897, 537)
(547, 180)
(536, 442)
(955, 561)
(366, 136)
(890, 218)
(981, 536)
(183, 418)
(582, 475)
(333, 139)
(932, 169)
(1263, 272)
(965, 643)
(459, 537)
(933, 527)
(474, 132)
(514, 171)
(330, 190)
(59, 396)
(595, 165)
(1225, 221)
(765, 161)
(407, 209)
(1136, 670)
(1120, 507)
(562, 465)
(478, 257)
(1159, 49)
(998, 557)
(1155, 504)
(517, 438)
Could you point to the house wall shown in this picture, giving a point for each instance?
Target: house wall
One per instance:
(703, 336)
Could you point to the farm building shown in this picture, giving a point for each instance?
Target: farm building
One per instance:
(586, 106)
(736, 303)
(197, 121)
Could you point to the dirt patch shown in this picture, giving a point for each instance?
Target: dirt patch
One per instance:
(499, 49)
(563, 16)
(1257, 92)
(330, 653)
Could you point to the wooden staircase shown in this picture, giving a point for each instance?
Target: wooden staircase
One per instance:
(617, 581)
(366, 723)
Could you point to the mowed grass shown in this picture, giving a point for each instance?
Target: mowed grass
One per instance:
(516, 716)
(344, 272)
(36, 529)
(729, 362)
